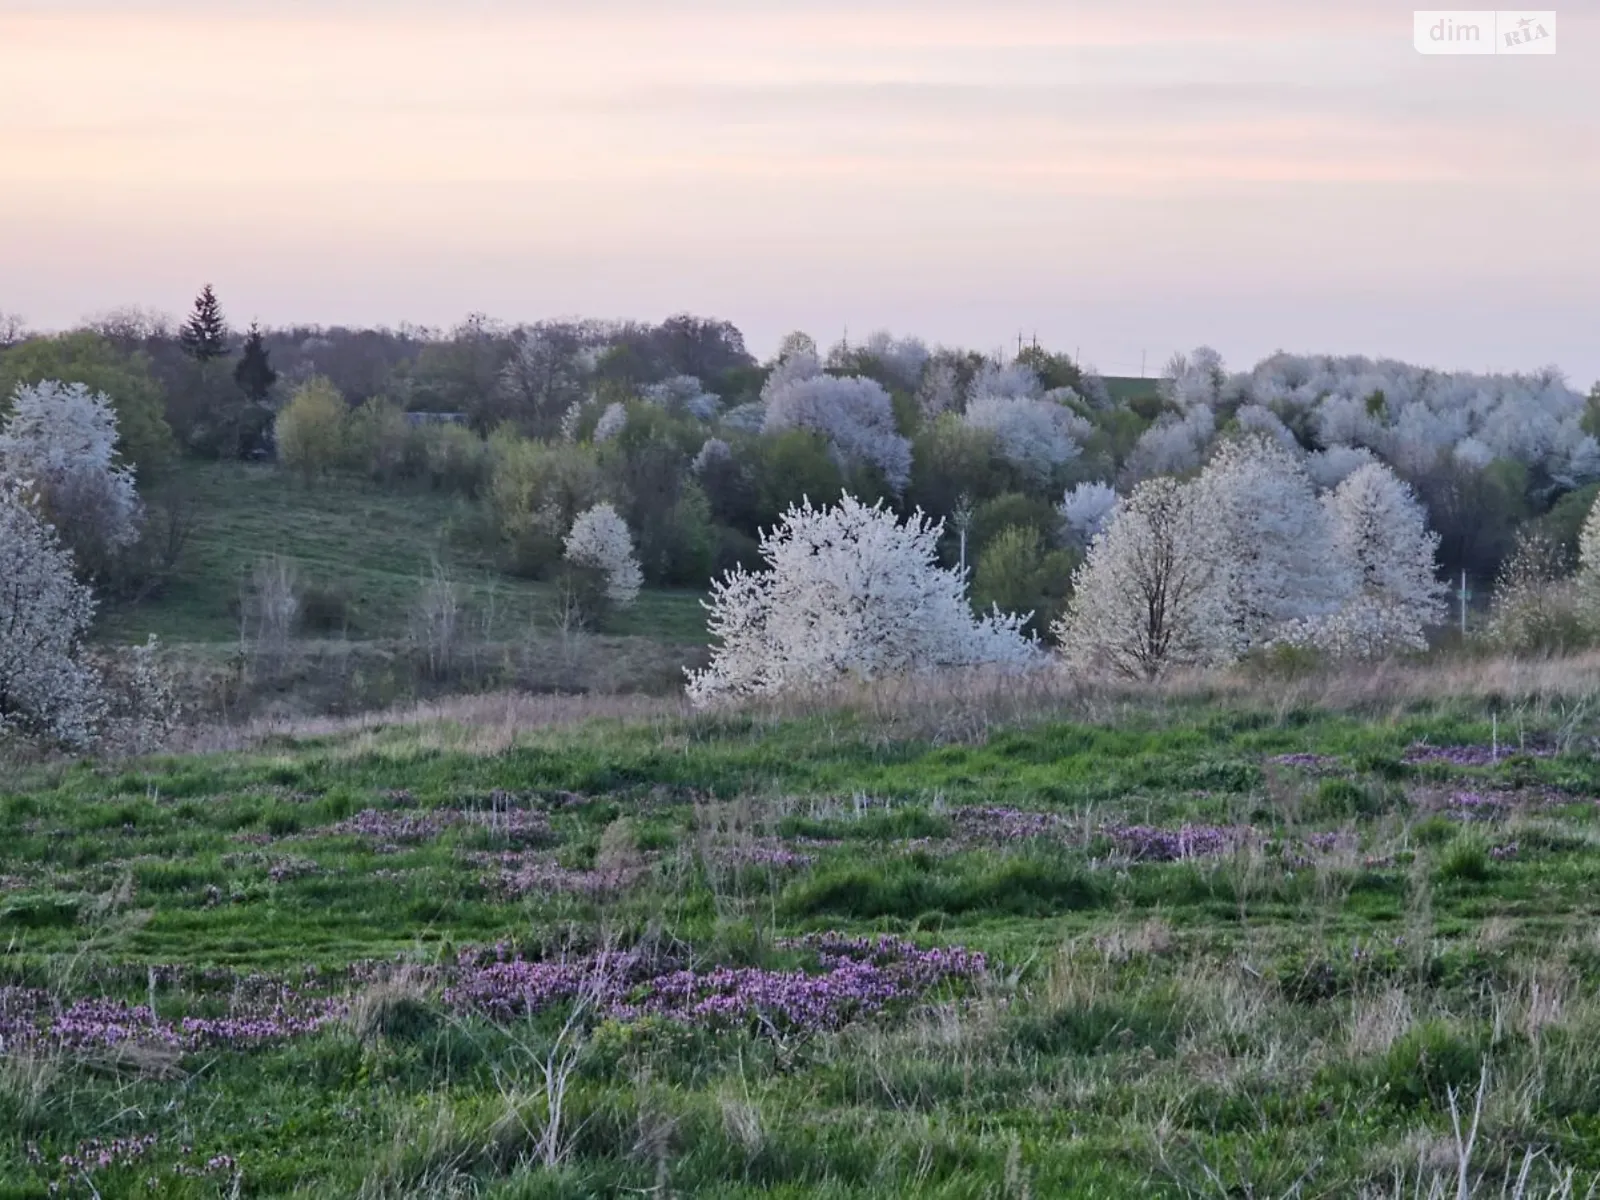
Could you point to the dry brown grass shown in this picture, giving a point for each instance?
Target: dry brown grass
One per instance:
(967, 706)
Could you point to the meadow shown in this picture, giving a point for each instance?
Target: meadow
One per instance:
(1283, 938)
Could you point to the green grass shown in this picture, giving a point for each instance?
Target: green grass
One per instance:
(1296, 1012)
(375, 544)
(1127, 387)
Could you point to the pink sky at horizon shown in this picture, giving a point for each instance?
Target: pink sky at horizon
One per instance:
(1123, 179)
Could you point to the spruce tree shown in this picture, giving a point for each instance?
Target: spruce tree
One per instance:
(254, 373)
(204, 335)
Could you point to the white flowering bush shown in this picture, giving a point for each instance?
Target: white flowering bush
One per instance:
(47, 690)
(1035, 435)
(611, 423)
(1587, 583)
(854, 414)
(1086, 510)
(1173, 445)
(1270, 542)
(62, 440)
(848, 592)
(1143, 600)
(599, 539)
(683, 394)
(1381, 539)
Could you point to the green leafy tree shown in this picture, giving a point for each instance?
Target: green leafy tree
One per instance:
(144, 438)
(311, 429)
(794, 466)
(1020, 573)
(204, 336)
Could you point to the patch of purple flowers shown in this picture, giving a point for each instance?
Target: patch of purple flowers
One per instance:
(98, 1023)
(1305, 761)
(860, 977)
(538, 874)
(1475, 806)
(1146, 843)
(1000, 824)
(96, 1155)
(1466, 756)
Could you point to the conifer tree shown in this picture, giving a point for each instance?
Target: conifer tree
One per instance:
(254, 374)
(205, 334)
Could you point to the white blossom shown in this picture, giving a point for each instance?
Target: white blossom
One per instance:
(746, 418)
(1382, 540)
(62, 440)
(1016, 381)
(1194, 380)
(902, 359)
(797, 364)
(46, 689)
(1035, 435)
(1143, 600)
(1087, 509)
(683, 393)
(939, 391)
(1588, 578)
(1173, 445)
(854, 414)
(611, 423)
(712, 450)
(1270, 543)
(599, 538)
(848, 591)
(1256, 418)
(1331, 467)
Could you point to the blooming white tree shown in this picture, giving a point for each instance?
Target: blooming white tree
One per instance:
(61, 439)
(1331, 467)
(1173, 445)
(939, 391)
(1194, 380)
(46, 689)
(599, 538)
(1143, 600)
(854, 414)
(712, 451)
(683, 393)
(902, 359)
(1381, 538)
(1086, 510)
(848, 591)
(1035, 435)
(1588, 578)
(1270, 543)
(612, 422)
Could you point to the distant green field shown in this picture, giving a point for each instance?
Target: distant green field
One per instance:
(1127, 387)
(375, 544)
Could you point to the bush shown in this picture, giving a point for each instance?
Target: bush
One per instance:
(325, 608)
(1018, 573)
(457, 459)
(311, 429)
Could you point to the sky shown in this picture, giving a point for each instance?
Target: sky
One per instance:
(1120, 178)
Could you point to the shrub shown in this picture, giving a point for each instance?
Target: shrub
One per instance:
(61, 439)
(599, 539)
(47, 691)
(310, 430)
(848, 591)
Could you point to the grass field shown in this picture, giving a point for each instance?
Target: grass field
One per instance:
(374, 544)
(1182, 949)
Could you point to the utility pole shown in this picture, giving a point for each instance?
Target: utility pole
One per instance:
(1464, 594)
(1141, 364)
